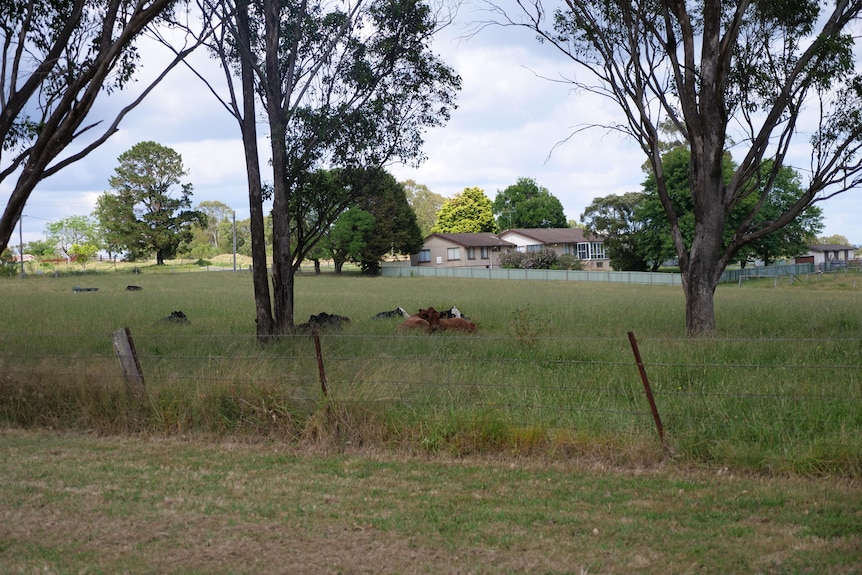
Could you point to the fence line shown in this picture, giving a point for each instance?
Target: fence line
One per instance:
(602, 276)
(587, 383)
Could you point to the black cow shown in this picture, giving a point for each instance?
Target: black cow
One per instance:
(323, 320)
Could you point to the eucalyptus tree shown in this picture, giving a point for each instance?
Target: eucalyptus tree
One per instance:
(57, 59)
(343, 84)
(767, 78)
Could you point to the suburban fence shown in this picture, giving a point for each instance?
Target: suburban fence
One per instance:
(681, 391)
(790, 271)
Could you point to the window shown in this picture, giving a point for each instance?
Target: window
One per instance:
(532, 248)
(424, 256)
(453, 254)
(583, 251)
(570, 249)
(597, 251)
(485, 254)
(600, 264)
(471, 253)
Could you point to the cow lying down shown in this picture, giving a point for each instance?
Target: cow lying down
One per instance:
(429, 319)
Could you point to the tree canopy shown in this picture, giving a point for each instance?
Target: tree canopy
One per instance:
(142, 213)
(615, 218)
(721, 72)
(340, 84)
(525, 204)
(638, 235)
(425, 204)
(379, 223)
(468, 212)
(57, 59)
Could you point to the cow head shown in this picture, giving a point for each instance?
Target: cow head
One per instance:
(432, 316)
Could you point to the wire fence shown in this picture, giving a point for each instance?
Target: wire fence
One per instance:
(782, 395)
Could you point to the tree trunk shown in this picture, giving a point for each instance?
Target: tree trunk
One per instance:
(260, 269)
(282, 257)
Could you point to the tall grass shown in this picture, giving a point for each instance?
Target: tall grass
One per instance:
(778, 388)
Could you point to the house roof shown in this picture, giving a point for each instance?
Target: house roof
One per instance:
(829, 248)
(549, 236)
(474, 240)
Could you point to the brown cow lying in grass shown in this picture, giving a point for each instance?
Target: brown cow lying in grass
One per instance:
(430, 320)
(427, 319)
(458, 324)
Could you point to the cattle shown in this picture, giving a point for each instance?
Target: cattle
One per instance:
(427, 319)
(397, 312)
(175, 317)
(458, 324)
(323, 320)
(452, 312)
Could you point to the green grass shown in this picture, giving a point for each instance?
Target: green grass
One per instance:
(778, 389)
(179, 506)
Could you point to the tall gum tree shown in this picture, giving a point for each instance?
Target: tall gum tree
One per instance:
(57, 59)
(751, 73)
(337, 84)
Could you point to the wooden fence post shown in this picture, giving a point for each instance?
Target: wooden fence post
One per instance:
(647, 388)
(125, 350)
(320, 370)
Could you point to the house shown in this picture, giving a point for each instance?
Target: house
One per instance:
(575, 241)
(461, 250)
(826, 256)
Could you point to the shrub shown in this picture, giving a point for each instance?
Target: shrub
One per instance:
(544, 259)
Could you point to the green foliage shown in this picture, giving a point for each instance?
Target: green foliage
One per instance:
(348, 238)
(615, 219)
(64, 233)
(655, 236)
(83, 253)
(380, 221)
(525, 204)
(468, 212)
(142, 216)
(425, 204)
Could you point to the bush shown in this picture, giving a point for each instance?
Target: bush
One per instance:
(544, 259)
(568, 262)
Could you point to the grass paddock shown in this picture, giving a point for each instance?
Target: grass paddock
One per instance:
(551, 372)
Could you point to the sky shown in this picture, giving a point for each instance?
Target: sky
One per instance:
(512, 121)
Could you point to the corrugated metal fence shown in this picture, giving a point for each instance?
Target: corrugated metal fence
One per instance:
(644, 278)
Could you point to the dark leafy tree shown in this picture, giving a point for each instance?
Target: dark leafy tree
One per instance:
(340, 84)
(396, 231)
(57, 58)
(349, 236)
(788, 241)
(379, 221)
(525, 204)
(141, 212)
(720, 71)
(614, 218)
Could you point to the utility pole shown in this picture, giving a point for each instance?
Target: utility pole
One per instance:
(21, 243)
(234, 240)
